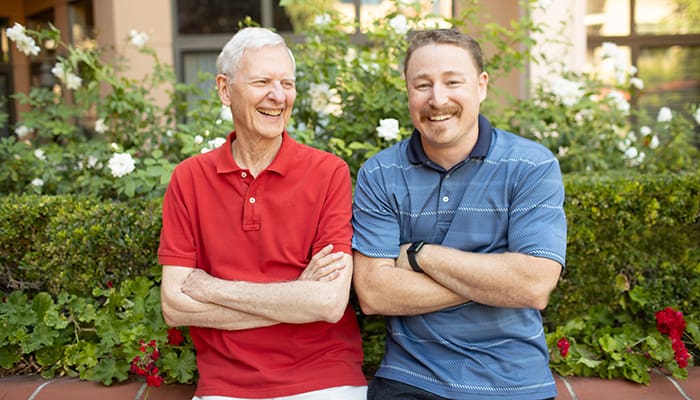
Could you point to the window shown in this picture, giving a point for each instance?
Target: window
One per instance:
(661, 38)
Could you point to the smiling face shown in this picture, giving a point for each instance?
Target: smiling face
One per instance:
(262, 94)
(445, 91)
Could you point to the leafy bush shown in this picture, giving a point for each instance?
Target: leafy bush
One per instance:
(74, 244)
(633, 249)
(95, 337)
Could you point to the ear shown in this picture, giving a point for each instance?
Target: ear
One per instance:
(483, 86)
(222, 84)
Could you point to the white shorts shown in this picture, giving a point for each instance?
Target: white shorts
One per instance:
(334, 393)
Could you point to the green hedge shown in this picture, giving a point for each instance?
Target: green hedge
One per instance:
(630, 236)
(634, 249)
(73, 244)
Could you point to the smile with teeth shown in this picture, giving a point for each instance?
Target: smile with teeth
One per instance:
(270, 112)
(440, 117)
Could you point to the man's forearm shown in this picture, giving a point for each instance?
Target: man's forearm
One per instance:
(502, 280)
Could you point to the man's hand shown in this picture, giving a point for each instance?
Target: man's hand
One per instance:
(197, 283)
(324, 266)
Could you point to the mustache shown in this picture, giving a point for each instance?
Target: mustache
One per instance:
(428, 111)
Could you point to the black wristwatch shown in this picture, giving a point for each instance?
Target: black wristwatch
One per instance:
(411, 252)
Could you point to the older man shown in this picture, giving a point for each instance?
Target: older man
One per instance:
(256, 245)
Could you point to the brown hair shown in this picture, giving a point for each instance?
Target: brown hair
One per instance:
(420, 38)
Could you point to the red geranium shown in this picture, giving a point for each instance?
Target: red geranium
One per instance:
(175, 337)
(671, 322)
(563, 345)
(145, 364)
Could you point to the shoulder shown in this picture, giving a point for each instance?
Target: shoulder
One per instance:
(315, 157)
(389, 160)
(509, 147)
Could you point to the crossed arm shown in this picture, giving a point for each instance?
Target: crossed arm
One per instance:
(194, 298)
(390, 287)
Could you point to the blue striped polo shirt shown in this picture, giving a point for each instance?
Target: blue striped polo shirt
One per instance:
(507, 196)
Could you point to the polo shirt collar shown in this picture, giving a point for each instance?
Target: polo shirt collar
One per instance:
(416, 154)
(281, 164)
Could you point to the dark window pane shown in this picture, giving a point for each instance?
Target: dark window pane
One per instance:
(281, 19)
(214, 16)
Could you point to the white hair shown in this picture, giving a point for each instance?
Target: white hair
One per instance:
(229, 59)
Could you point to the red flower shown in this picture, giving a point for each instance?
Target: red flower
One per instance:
(670, 322)
(145, 365)
(175, 337)
(154, 380)
(563, 345)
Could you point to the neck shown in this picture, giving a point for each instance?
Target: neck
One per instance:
(255, 154)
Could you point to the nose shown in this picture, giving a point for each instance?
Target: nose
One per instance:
(276, 91)
(438, 96)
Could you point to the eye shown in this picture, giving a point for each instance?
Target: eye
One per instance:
(288, 84)
(259, 83)
(453, 83)
(422, 86)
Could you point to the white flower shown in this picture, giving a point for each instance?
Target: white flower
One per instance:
(654, 143)
(665, 115)
(631, 152)
(39, 153)
(561, 152)
(325, 100)
(543, 4)
(121, 164)
(16, 33)
(618, 99)
(645, 130)
(92, 161)
(637, 83)
(322, 20)
(697, 115)
(22, 132)
(225, 114)
(38, 182)
(213, 144)
(24, 43)
(569, 92)
(100, 126)
(388, 129)
(169, 133)
(635, 157)
(198, 139)
(399, 24)
(609, 50)
(137, 38)
(58, 71)
(73, 81)
(114, 147)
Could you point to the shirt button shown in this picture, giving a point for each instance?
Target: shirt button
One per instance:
(243, 174)
(251, 200)
(445, 199)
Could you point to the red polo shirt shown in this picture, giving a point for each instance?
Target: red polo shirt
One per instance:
(218, 218)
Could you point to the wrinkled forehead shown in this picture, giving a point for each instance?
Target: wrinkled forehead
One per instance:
(267, 60)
